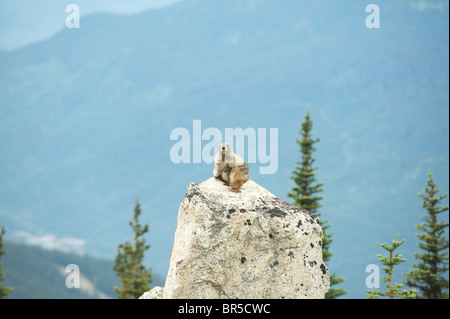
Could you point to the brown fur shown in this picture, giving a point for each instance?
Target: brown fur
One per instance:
(230, 168)
(236, 184)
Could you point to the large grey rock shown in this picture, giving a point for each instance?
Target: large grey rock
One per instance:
(154, 293)
(244, 245)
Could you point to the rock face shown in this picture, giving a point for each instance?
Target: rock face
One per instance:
(155, 293)
(244, 245)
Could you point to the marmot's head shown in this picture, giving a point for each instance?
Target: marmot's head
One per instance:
(225, 148)
(227, 152)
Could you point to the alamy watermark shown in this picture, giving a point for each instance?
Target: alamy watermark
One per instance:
(373, 19)
(73, 279)
(73, 19)
(258, 143)
(373, 279)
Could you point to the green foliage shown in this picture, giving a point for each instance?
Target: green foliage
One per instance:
(4, 291)
(135, 278)
(304, 174)
(428, 273)
(393, 290)
(304, 194)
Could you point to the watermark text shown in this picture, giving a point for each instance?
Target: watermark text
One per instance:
(373, 279)
(373, 19)
(257, 145)
(73, 19)
(73, 279)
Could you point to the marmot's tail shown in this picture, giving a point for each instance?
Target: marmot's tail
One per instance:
(236, 184)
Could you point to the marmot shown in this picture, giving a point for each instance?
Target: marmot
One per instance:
(230, 167)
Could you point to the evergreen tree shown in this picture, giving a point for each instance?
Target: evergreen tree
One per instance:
(304, 194)
(4, 291)
(428, 273)
(134, 277)
(393, 290)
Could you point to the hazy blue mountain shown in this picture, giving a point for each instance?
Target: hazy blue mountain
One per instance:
(86, 117)
(23, 22)
(35, 272)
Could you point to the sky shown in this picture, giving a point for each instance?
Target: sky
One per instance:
(26, 21)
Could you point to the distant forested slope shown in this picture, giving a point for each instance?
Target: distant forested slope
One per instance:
(35, 272)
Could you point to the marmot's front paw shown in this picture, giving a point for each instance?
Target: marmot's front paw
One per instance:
(219, 178)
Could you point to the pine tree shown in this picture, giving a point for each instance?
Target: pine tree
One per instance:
(393, 290)
(134, 277)
(304, 195)
(4, 291)
(428, 273)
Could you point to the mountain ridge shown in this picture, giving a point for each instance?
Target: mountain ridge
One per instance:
(35, 272)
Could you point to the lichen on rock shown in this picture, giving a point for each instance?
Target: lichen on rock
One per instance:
(244, 245)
